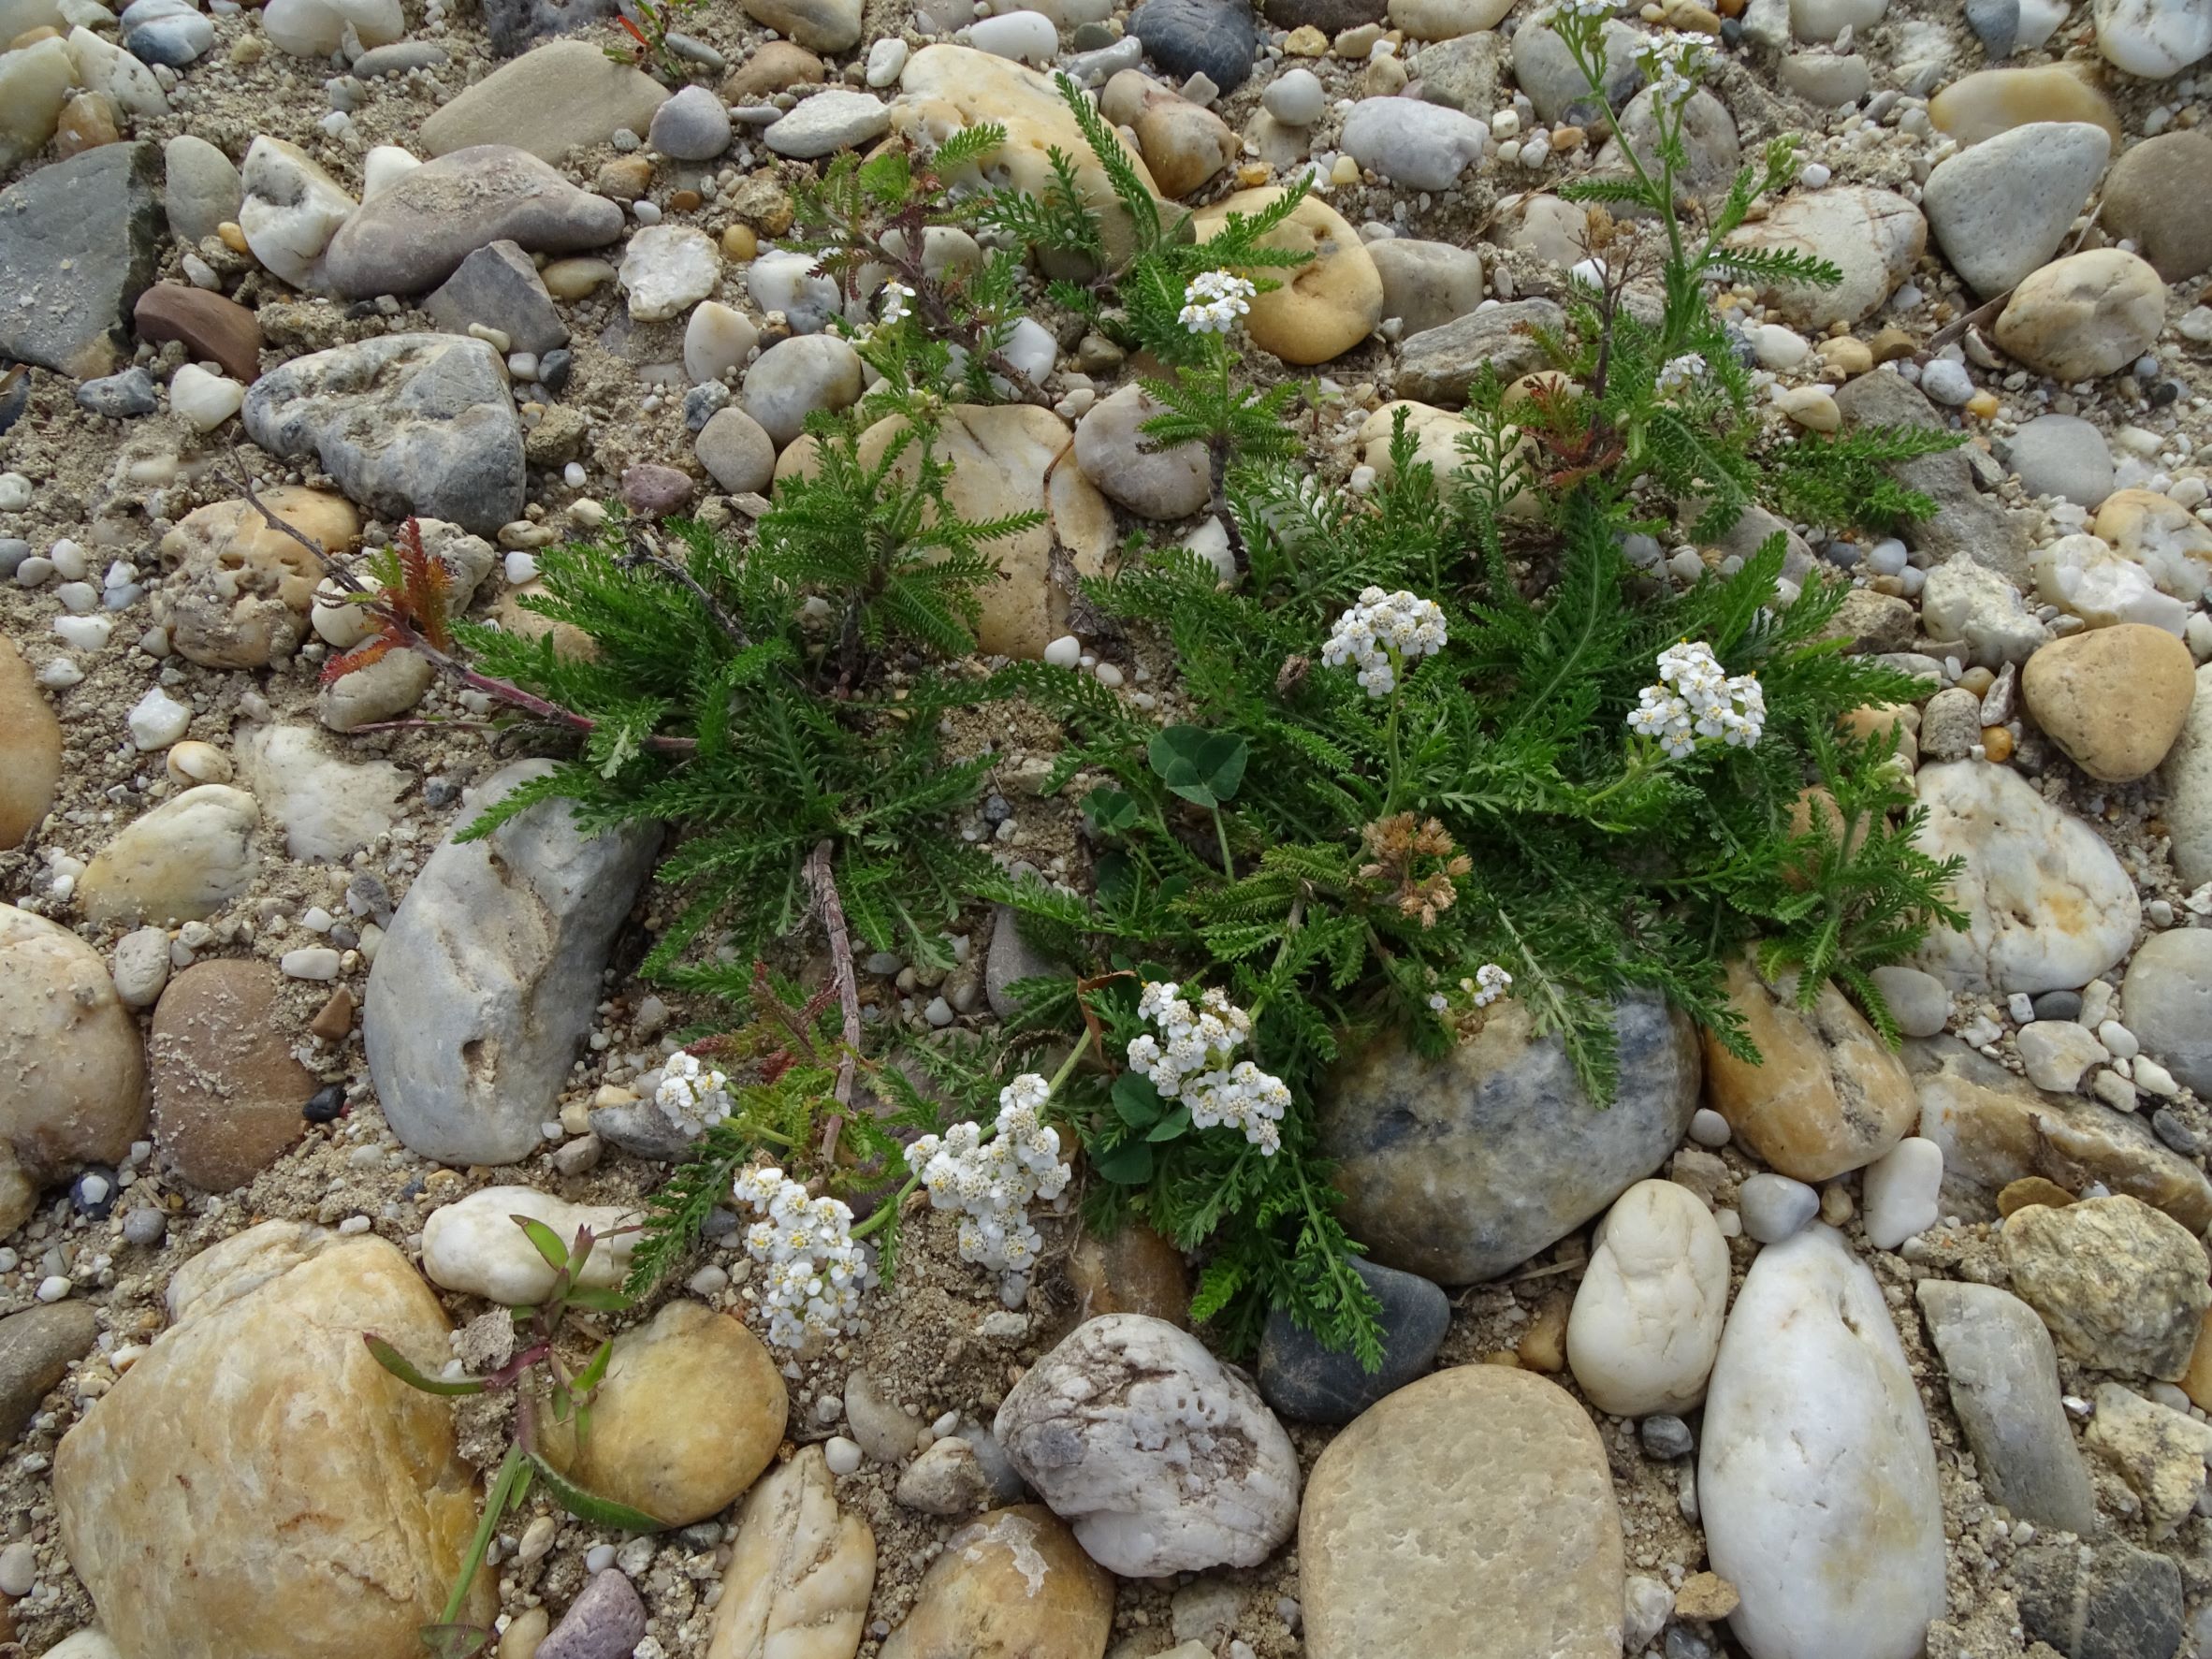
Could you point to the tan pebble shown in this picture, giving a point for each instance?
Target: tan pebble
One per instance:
(1254, 173)
(249, 49)
(2196, 1382)
(1345, 171)
(1978, 680)
(1543, 1344)
(1564, 139)
(571, 279)
(1385, 78)
(1306, 42)
(1356, 43)
(1501, 1357)
(232, 237)
(1696, 18)
(741, 246)
(1891, 344)
(1706, 1595)
(194, 762)
(1996, 744)
(1983, 406)
(2031, 1190)
(1811, 408)
(33, 37)
(335, 1019)
(1846, 356)
(88, 121)
(525, 1632)
(1836, 1207)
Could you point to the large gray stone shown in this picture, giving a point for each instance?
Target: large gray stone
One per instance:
(36, 1349)
(2111, 1602)
(1459, 1168)
(413, 234)
(488, 974)
(406, 422)
(1966, 522)
(77, 249)
(2003, 1373)
(549, 100)
(2001, 208)
(1437, 365)
(1303, 1377)
(2167, 997)
(1427, 285)
(2187, 773)
(200, 187)
(2063, 455)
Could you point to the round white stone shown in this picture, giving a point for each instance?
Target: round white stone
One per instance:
(1647, 1318)
(157, 720)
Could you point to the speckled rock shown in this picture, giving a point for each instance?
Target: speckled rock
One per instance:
(79, 1094)
(1012, 1584)
(204, 1531)
(2114, 699)
(30, 749)
(187, 859)
(607, 1618)
(1477, 1499)
(1873, 235)
(238, 591)
(76, 248)
(2121, 1286)
(1459, 1168)
(549, 100)
(1161, 1458)
(2085, 315)
(2109, 1601)
(226, 1090)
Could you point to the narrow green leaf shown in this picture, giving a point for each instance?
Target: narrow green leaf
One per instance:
(401, 1367)
(546, 1241)
(590, 1506)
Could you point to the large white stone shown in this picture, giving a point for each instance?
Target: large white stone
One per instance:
(1817, 1479)
(292, 210)
(1161, 1458)
(475, 1243)
(1647, 1318)
(2154, 38)
(2048, 907)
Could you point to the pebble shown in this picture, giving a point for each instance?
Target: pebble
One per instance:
(1304, 1379)
(1419, 145)
(1295, 98)
(667, 270)
(2114, 699)
(1216, 38)
(1901, 1192)
(2168, 998)
(1647, 1316)
(1774, 1207)
(2002, 208)
(826, 122)
(2085, 315)
(690, 126)
(157, 720)
(2119, 1284)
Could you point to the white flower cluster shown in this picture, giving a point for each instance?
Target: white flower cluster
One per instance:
(1214, 302)
(1490, 982)
(1193, 1065)
(1383, 632)
(992, 1182)
(1681, 374)
(816, 1272)
(1594, 10)
(1673, 63)
(897, 306)
(1695, 698)
(691, 1096)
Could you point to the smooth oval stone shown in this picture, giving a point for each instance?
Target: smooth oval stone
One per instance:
(1817, 1479)
(1647, 1317)
(1303, 1378)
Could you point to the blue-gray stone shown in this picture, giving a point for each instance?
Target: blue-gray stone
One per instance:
(1216, 38)
(1462, 1167)
(119, 396)
(2110, 1602)
(1774, 1207)
(2058, 1005)
(515, 25)
(1303, 1378)
(76, 248)
(1996, 24)
(1665, 1437)
(174, 40)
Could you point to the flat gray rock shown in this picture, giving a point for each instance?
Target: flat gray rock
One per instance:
(413, 234)
(418, 424)
(1438, 365)
(77, 249)
(1462, 1167)
(2001, 208)
(498, 287)
(2061, 455)
(488, 977)
(2003, 1374)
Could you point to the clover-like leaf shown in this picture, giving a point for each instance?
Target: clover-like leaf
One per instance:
(1136, 1100)
(1110, 811)
(1203, 767)
(1128, 1164)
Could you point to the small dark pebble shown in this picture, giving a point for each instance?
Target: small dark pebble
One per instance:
(2058, 1005)
(1216, 38)
(325, 1104)
(1094, 36)
(360, 310)
(1996, 23)
(119, 396)
(1665, 1437)
(436, 792)
(1303, 1377)
(93, 1192)
(365, 896)
(997, 809)
(344, 938)
(554, 368)
(2165, 392)
(720, 1223)
(2174, 1129)
(1731, 33)
(14, 398)
(702, 401)
(145, 1226)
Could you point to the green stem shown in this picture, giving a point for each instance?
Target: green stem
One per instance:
(1640, 760)
(495, 1510)
(1397, 696)
(1221, 835)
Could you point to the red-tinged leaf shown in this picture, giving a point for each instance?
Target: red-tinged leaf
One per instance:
(364, 655)
(428, 584)
(404, 1369)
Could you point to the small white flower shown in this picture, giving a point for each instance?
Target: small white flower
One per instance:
(1680, 373)
(897, 302)
(1196, 1068)
(815, 1272)
(1382, 635)
(1491, 982)
(1696, 699)
(1215, 300)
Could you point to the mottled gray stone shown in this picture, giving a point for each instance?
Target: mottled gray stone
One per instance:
(1012, 958)
(77, 249)
(486, 980)
(1967, 522)
(2111, 1602)
(36, 1350)
(498, 287)
(1427, 285)
(1555, 85)
(515, 25)
(2167, 998)
(1216, 38)
(1462, 1167)
(607, 1620)
(1774, 1207)
(1437, 365)
(200, 187)
(2061, 455)
(1303, 1378)
(2003, 1374)
(406, 422)
(642, 1129)
(415, 233)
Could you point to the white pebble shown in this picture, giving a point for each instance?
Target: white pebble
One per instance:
(2119, 1039)
(15, 492)
(1947, 381)
(842, 1455)
(84, 634)
(54, 1287)
(1900, 1191)
(520, 568)
(19, 1568)
(310, 962)
(1065, 652)
(157, 720)
(1708, 1128)
(887, 58)
(206, 401)
(599, 1558)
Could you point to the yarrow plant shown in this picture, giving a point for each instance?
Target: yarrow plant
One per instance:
(691, 1096)
(1215, 300)
(816, 1269)
(1488, 983)
(1195, 1064)
(1697, 698)
(1385, 634)
(991, 1183)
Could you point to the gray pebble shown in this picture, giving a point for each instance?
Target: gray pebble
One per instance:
(1774, 1207)
(1665, 1437)
(145, 1228)
(2175, 1131)
(605, 1622)
(2058, 1005)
